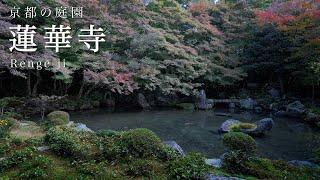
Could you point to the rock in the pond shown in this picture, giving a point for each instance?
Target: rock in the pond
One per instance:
(263, 126)
(248, 103)
(259, 128)
(43, 148)
(216, 177)
(296, 108)
(143, 103)
(305, 164)
(175, 146)
(225, 126)
(217, 163)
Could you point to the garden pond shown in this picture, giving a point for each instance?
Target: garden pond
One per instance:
(290, 139)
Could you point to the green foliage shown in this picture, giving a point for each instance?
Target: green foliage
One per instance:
(191, 166)
(141, 168)
(67, 142)
(35, 168)
(241, 148)
(268, 169)
(140, 143)
(237, 141)
(241, 126)
(5, 125)
(58, 117)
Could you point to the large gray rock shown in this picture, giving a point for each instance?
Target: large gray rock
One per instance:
(79, 127)
(82, 127)
(175, 146)
(202, 100)
(143, 103)
(225, 126)
(263, 126)
(248, 103)
(217, 163)
(296, 108)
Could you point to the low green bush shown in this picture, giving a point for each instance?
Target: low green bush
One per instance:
(237, 141)
(35, 168)
(191, 166)
(277, 169)
(16, 158)
(141, 143)
(67, 142)
(234, 162)
(241, 148)
(141, 168)
(58, 117)
(91, 168)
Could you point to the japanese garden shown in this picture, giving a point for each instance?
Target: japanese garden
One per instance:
(160, 89)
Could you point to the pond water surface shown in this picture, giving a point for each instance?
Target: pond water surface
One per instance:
(198, 131)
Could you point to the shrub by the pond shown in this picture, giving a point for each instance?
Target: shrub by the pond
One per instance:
(191, 166)
(58, 117)
(277, 169)
(141, 143)
(141, 167)
(241, 148)
(66, 141)
(237, 141)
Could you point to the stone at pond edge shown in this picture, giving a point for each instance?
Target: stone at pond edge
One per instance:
(248, 103)
(217, 163)
(79, 127)
(296, 107)
(225, 126)
(306, 164)
(175, 146)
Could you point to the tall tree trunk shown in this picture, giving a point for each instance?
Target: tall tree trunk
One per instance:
(35, 86)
